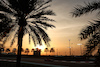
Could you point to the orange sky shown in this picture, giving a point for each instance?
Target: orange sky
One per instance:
(67, 27)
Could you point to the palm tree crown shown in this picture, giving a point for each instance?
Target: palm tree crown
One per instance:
(29, 14)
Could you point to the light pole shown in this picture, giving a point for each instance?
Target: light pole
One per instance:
(65, 53)
(80, 48)
(69, 48)
(57, 52)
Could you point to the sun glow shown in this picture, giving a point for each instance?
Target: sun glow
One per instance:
(42, 47)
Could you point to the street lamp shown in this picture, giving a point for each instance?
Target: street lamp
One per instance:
(80, 48)
(57, 52)
(69, 48)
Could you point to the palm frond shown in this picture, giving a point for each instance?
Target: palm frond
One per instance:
(2, 8)
(29, 38)
(45, 36)
(5, 39)
(6, 14)
(92, 44)
(45, 24)
(5, 29)
(90, 30)
(15, 30)
(42, 3)
(38, 8)
(9, 34)
(31, 34)
(34, 12)
(36, 24)
(7, 6)
(40, 14)
(13, 39)
(37, 34)
(46, 19)
(90, 7)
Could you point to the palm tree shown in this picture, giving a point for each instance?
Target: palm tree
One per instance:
(27, 51)
(91, 32)
(46, 50)
(1, 48)
(20, 17)
(14, 50)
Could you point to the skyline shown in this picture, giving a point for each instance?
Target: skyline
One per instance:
(67, 27)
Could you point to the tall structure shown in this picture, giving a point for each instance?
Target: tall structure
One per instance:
(69, 48)
(80, 48)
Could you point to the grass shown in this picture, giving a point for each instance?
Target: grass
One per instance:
(13, 64)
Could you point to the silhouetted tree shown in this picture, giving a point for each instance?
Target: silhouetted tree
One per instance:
(14, 50)
(7, 50)
(52, 50)
(91, 32)
(32, 51)
(27, 51)
(24, 16)
(46, 50)
(1, 48)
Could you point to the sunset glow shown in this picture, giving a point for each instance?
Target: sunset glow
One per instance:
(67, 27)
(42, 47)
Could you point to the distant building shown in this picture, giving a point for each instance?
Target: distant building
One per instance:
(37, 52)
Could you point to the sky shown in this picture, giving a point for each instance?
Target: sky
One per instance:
(67, 28)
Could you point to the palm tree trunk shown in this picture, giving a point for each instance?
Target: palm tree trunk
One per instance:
(20, 39)
(0, 51)
(97, 61)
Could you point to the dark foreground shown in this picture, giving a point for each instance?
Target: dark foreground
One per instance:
(40, 60)
(12, 64)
